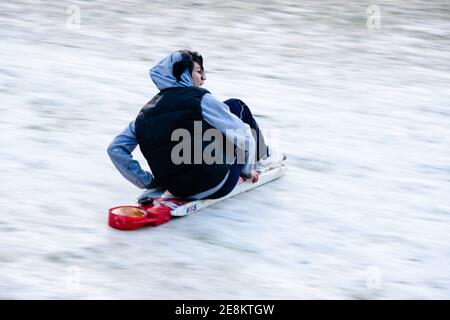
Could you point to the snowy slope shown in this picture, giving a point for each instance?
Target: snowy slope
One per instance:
(364, 116)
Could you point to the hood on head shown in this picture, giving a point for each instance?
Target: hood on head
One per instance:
(162, 73)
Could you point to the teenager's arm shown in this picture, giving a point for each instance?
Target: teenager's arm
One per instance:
(218, 114)
(119, 152)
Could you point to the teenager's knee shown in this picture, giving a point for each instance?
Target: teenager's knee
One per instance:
(238, 107)
(234, 102)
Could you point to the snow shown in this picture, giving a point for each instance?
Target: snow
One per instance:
(363, 115)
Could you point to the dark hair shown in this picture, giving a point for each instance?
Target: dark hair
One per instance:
(186, 62)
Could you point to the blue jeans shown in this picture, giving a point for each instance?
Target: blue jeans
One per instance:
(242, 111)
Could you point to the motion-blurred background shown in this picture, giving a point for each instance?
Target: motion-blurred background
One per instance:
(357, 89)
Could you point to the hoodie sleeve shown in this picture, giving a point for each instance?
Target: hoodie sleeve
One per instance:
(119, 152)
(218, 114)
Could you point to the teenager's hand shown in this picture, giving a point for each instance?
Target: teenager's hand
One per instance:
(254, 176)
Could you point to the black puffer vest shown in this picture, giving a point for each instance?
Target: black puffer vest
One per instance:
(171, 109)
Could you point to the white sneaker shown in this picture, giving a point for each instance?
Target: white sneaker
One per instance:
(273, 160)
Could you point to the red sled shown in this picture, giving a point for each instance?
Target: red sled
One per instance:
(133, 217)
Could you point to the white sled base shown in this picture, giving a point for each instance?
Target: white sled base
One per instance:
(197, 205)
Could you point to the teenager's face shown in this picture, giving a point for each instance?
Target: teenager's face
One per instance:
(198, 76)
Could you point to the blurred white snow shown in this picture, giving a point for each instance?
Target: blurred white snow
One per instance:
(363, 114)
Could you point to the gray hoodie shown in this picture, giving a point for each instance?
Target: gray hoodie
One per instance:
(215, 112)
